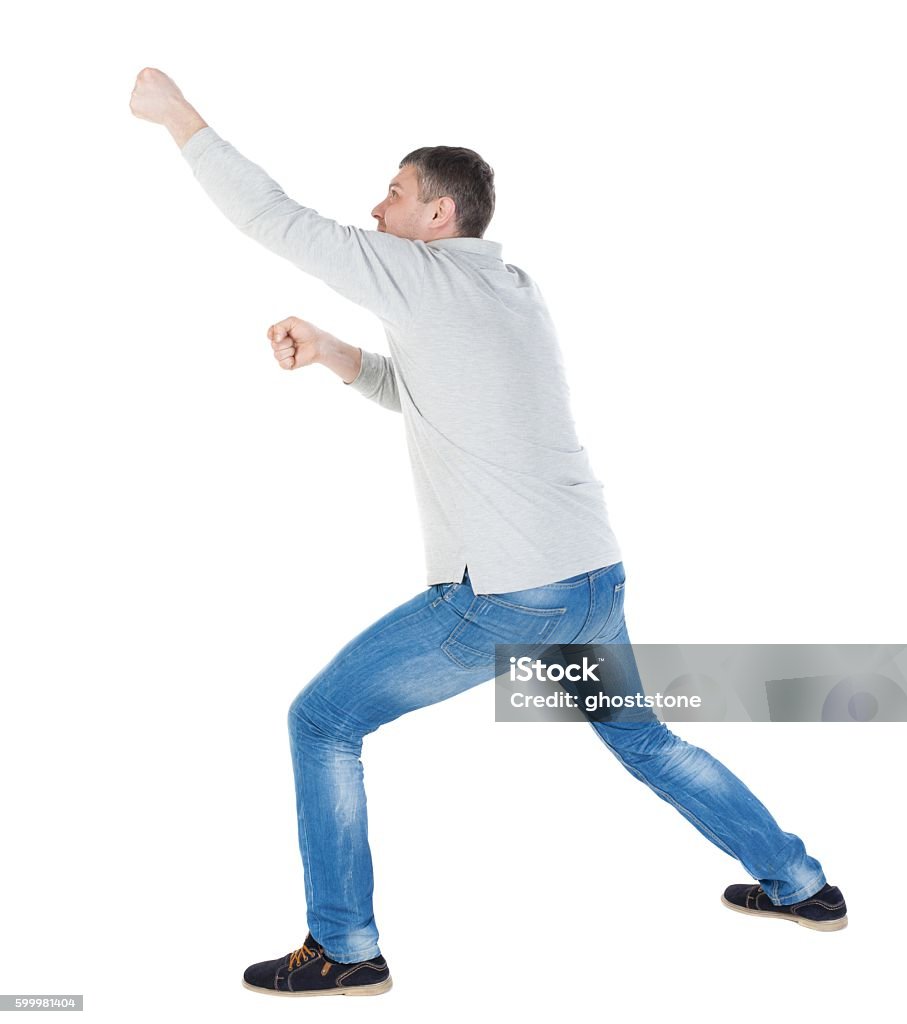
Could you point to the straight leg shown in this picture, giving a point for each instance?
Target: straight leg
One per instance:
(711, 798)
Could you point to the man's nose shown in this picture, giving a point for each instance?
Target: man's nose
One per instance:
(378, 212)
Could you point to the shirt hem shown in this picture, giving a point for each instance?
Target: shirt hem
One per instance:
(491, 583)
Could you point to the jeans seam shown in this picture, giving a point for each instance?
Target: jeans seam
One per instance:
(590, 613)
(615, 601)
(305, 839)
(666, 796)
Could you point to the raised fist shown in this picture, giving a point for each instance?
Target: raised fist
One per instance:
(156, 96)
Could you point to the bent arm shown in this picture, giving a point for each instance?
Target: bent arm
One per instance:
(377, 380)
(369, 373)
(374, 269)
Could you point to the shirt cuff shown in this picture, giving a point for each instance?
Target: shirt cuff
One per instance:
(370, 375)
(198, 143)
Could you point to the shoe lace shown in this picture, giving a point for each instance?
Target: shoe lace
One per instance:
(299, 956)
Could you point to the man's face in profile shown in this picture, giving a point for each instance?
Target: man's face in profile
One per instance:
(401, 212)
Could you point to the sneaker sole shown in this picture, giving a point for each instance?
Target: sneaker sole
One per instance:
(353, 990)
(817, 926)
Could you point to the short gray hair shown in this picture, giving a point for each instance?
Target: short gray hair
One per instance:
(461, 174)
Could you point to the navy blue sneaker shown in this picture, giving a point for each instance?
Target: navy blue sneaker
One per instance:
(309, 971)
(825, 911)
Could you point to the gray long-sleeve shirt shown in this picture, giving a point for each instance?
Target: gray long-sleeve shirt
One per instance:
(502, 482)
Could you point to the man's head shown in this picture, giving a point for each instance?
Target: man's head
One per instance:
(439, 192)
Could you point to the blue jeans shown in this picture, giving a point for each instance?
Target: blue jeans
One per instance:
(439, 644)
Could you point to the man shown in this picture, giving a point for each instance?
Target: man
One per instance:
(517, 541)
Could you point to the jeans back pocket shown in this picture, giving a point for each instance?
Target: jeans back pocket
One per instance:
(491, 620)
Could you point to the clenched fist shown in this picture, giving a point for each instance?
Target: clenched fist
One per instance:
(296, 342)
(157, 98)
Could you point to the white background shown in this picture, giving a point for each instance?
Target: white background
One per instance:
(711, 197)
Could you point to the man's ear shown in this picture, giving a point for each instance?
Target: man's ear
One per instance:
(446, 213)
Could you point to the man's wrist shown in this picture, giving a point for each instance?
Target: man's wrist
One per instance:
(324, 347)
(339, 357)
(183, 123)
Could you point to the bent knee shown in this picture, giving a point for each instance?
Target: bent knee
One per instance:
(642, 739)
(303, 716)
(310, 717)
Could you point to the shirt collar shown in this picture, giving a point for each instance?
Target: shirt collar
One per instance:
(481, 246)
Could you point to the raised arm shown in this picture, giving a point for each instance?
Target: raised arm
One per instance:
(299, 343)
(377, 270)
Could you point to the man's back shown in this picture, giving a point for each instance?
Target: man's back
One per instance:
(502, 483)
